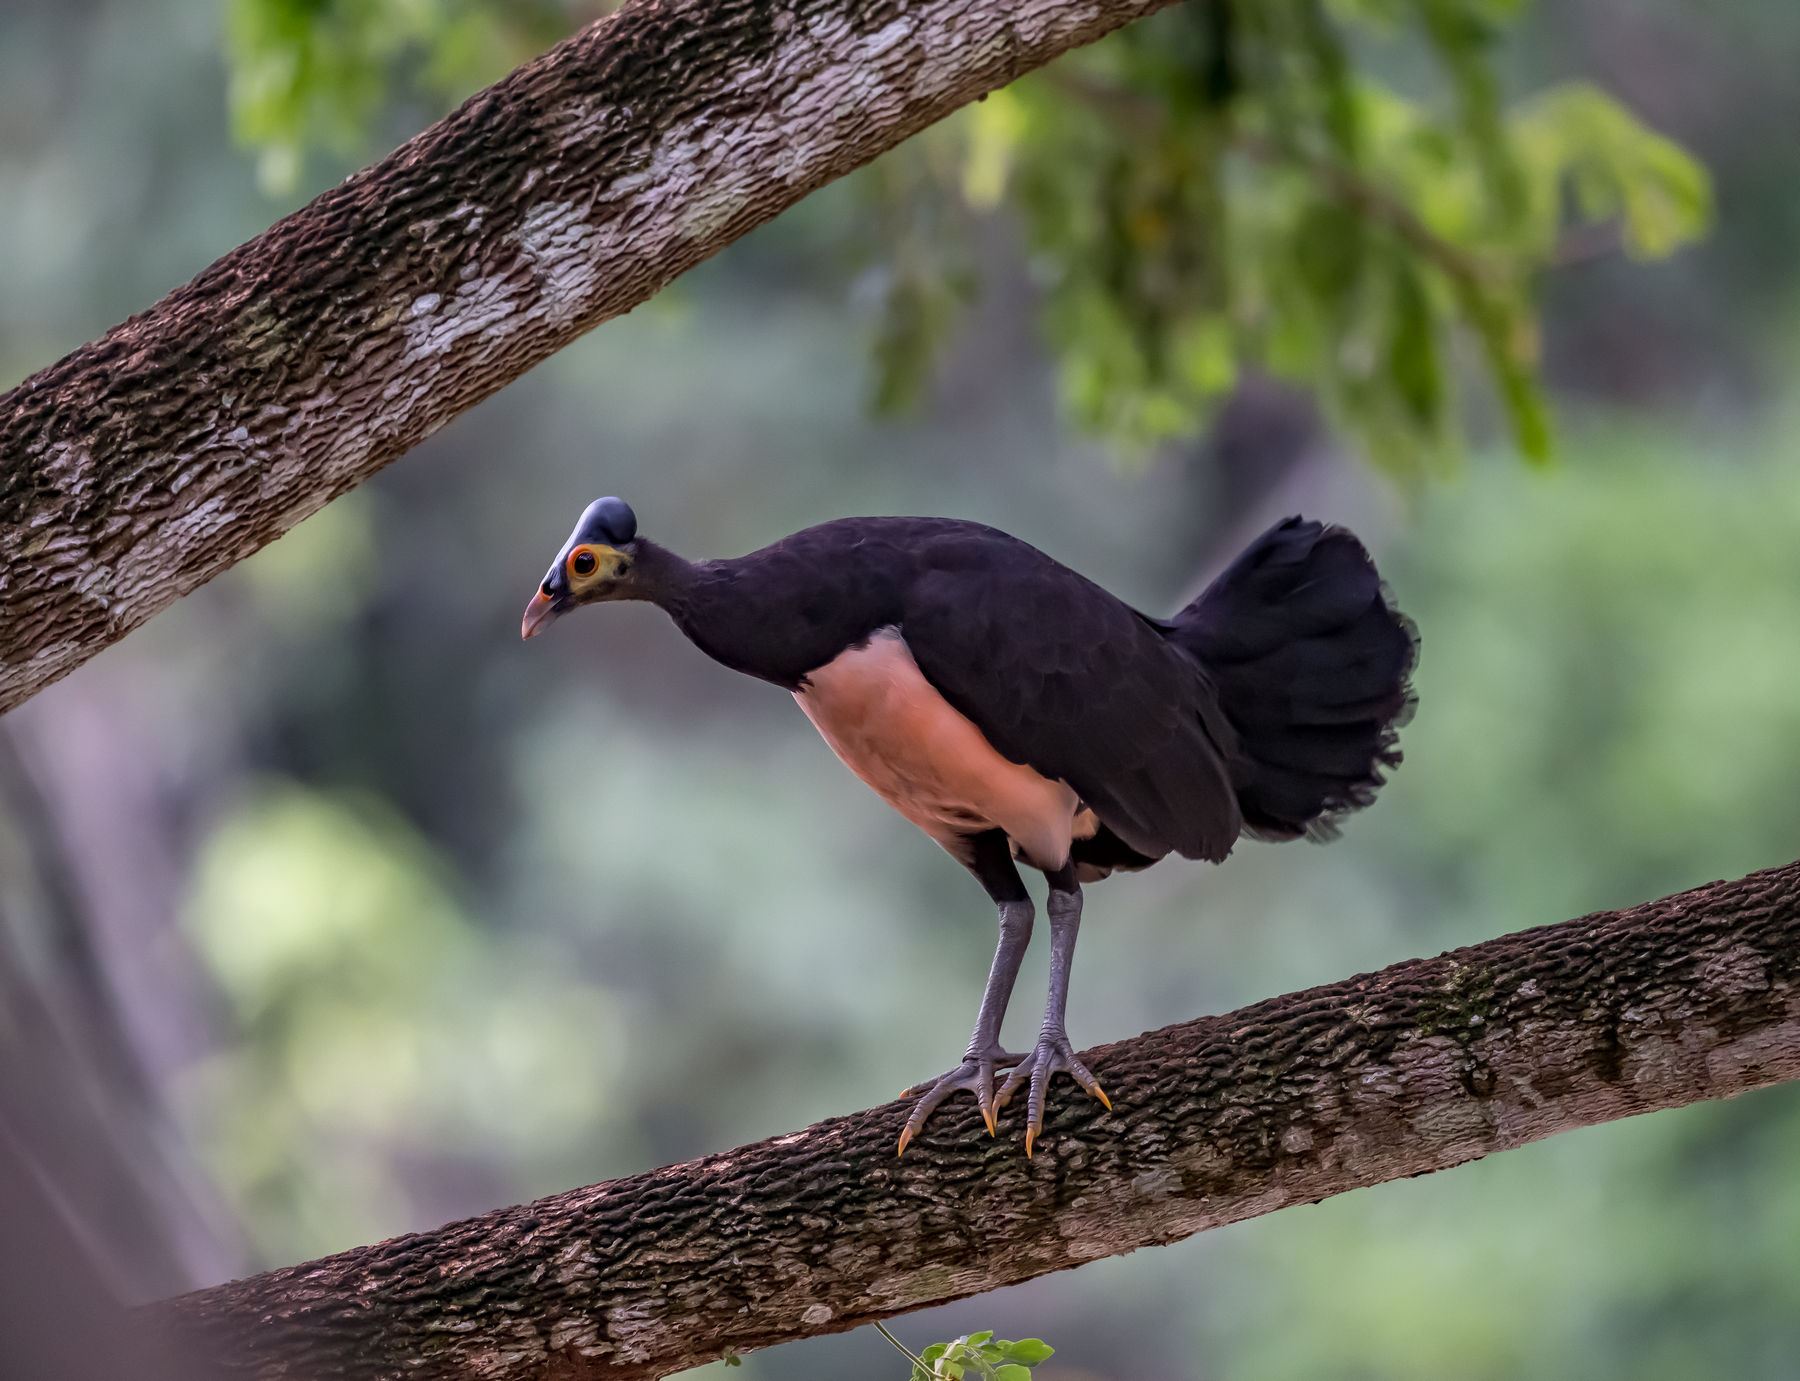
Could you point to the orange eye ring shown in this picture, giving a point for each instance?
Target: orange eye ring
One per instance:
(583, 563)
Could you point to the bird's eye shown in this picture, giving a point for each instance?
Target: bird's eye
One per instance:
(583, 563)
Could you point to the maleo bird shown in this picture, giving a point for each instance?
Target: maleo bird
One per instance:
(1018, 713)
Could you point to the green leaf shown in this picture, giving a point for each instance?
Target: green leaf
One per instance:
(996, 126)
(1027, 1351)
(1413, 364)
(1509, 341)
(1576, 135)
(984, 1356)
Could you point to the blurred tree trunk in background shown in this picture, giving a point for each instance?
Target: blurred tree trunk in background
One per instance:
(101, 1203)
(76, 1098)
(61, 1318)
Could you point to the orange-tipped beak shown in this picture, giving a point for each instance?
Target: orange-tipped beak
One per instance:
(541, 612)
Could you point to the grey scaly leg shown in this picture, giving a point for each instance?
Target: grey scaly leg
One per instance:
(991, 862)
(985, 1057)
(1053, 1050)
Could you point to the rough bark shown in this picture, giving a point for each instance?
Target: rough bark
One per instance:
(1424, 1065)
(303, 361)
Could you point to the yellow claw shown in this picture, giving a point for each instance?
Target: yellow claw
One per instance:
(1030, 1136)
(905, 1137)
(987, 1116)
(1100, 1093)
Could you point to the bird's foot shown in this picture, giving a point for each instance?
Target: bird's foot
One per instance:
(1053, 1053)
(976, 1074)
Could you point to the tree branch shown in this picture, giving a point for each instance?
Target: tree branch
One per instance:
(302, 362)
(1422, 1066)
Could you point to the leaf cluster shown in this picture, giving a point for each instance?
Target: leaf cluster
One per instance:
(1336, 192)
(1332, 191)
(977, 1355)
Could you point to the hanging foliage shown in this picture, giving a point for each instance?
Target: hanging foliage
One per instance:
(1336, 192)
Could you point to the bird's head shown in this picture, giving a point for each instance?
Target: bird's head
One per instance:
(594, 564)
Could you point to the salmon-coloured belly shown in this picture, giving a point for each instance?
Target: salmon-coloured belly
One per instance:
(889, 725)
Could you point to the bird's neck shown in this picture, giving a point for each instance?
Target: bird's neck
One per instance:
(742, 614)
(664, 579)
(702, 598)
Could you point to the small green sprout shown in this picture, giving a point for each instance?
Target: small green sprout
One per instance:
(974, 1355)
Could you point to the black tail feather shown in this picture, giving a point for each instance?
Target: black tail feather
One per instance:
(1312, 664)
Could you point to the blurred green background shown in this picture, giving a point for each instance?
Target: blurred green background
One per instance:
(392, 919)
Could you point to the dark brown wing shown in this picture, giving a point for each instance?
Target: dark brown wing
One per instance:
(1063, 677)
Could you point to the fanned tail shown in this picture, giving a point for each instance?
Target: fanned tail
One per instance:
(1312, 665)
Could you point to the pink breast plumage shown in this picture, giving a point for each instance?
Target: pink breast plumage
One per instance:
(889, 725)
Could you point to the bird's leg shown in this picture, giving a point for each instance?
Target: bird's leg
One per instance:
(985, 1057)
(1053, 1050)
(992, 863)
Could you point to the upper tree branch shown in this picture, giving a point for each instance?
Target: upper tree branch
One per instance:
(1424, 1065)
(303, 361)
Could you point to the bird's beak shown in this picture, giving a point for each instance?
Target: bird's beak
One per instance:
(539, 614)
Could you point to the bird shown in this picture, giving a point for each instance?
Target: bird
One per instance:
(1020, 714)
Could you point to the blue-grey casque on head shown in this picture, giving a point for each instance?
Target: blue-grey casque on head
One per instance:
(609, 520)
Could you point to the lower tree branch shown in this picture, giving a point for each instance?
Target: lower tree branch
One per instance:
(1422, 1066)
